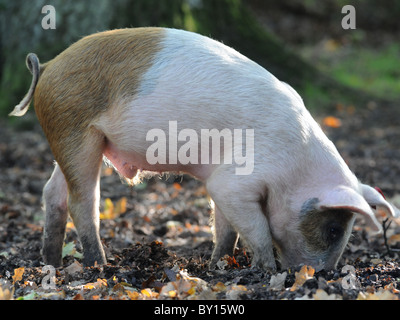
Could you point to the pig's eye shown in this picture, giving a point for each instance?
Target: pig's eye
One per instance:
(334, 232)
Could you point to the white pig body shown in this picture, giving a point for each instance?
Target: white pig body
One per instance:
(294, 190)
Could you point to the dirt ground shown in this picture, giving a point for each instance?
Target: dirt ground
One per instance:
(157, 236)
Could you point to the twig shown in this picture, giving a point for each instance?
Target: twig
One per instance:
(385, 228)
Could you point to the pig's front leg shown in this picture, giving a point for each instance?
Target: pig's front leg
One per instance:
(238, 200)
(225, 237)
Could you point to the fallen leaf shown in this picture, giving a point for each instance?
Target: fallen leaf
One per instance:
(380, 295)
(394, 239)
(391, 287)
(219, 287)
(18, 274)
(34, 227)
(133, 295)
(376, 261)
(331, 45)
(70, 250)
(75, 267)
(148, 293)
(233, 292)
(332, 122)
(191, 291)
(6, 291)
(201, 191)
(108, 171)
(322, 295)
(108, 212)
(277, 282)
(78, 296)
(120, 207)
(177, 186)
(306, 273)
(30, 296)
(147, 218)
(222, 264)
(95, 285)
(70, 225)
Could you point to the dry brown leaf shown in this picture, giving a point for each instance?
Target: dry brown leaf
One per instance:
(148, 294)
(305, 273)
(379, 295)
(108, 212)
(394, 239)
(111, 211)
(234, 292)
(95, 285)
(108, 171)
(120, 207)
(322, 295)
(177, 186)
(70, 225)
(18, 274)
(133, 295)
(277, 281)
(219, 287)
(78, 296)
(332, 122)
(6, 292)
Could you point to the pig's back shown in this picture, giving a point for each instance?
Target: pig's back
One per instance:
(195, 76)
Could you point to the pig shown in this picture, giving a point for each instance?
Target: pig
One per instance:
(101, 97)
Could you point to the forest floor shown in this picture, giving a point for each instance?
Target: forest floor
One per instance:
(157, 236)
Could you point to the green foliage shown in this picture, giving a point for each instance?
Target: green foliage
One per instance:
(227, 20)
(375, 71)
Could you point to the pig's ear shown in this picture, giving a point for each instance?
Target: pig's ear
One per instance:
(376, 200)
(345, 198)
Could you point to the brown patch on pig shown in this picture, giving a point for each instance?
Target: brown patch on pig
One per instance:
(85, 80)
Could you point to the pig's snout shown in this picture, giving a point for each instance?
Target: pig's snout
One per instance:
(323, 226)
(325, 236)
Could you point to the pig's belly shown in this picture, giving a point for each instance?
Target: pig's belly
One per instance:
(123, 162)
(130, 163)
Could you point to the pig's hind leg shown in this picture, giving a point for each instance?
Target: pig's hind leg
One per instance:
(79, 157)
(55, 195)
(82, 172)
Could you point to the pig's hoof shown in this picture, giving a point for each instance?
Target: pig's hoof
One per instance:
(267, 266)
(92, 261)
